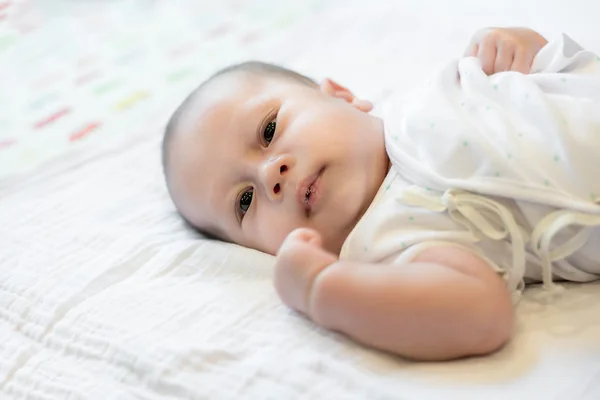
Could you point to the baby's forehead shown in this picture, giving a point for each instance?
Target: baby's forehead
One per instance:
(222, 107)
(240, 85)
(227, 89)
(235, 94)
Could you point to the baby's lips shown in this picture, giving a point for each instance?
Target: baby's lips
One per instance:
(303, 188)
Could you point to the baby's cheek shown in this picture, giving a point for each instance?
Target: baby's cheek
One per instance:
(273, 232)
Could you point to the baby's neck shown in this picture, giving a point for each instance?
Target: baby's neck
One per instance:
(336, 248)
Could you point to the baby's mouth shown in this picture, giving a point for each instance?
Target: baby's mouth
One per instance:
(311, 193)
(307, 195)
(307, 205)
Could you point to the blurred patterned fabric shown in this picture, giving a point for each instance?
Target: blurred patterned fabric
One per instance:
(73, 72)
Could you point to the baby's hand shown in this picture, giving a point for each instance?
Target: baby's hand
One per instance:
(299, 260)
(505, 49)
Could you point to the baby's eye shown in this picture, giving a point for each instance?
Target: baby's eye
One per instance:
(246, 200)
(269, 131)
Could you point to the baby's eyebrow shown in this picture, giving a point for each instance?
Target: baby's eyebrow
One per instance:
(221, 215)
(225, 210)
(220, 203)
(260, 105)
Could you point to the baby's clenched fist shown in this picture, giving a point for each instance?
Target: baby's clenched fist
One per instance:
(505, 49)
(300, 259)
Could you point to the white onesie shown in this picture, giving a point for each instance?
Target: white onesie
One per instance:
(506, 165)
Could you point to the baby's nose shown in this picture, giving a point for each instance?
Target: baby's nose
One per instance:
(273, 175)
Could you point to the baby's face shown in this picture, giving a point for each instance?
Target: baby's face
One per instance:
(257, 157)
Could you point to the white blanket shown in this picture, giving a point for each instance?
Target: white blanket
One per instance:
(105, 295)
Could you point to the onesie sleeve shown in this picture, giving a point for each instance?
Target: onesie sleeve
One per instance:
(565, 55)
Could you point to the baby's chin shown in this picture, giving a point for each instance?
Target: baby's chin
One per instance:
(336, 237)
(335, 247)
(334, 241)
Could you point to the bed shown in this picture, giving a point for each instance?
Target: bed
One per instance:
(103, 292)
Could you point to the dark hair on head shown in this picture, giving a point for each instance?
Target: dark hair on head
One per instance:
(251, 67)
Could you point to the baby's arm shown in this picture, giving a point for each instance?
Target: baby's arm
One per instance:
(446, 304)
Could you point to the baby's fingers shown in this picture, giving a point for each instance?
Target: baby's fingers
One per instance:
(487, 54)
(522, 62)
(298, 263)
(305, 235)
(504, 57)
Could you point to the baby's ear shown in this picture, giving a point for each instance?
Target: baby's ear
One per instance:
(334, 89)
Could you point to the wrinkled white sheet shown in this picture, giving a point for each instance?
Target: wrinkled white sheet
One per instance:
(105, 295)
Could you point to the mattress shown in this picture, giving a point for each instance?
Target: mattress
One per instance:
(104, 294)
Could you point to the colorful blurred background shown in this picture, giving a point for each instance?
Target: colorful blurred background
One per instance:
(74, 72)
(89, 73)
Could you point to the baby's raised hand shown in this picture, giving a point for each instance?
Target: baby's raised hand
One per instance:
(299, 260)
(505, 49)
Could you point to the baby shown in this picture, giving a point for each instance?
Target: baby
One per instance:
(413, 233)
